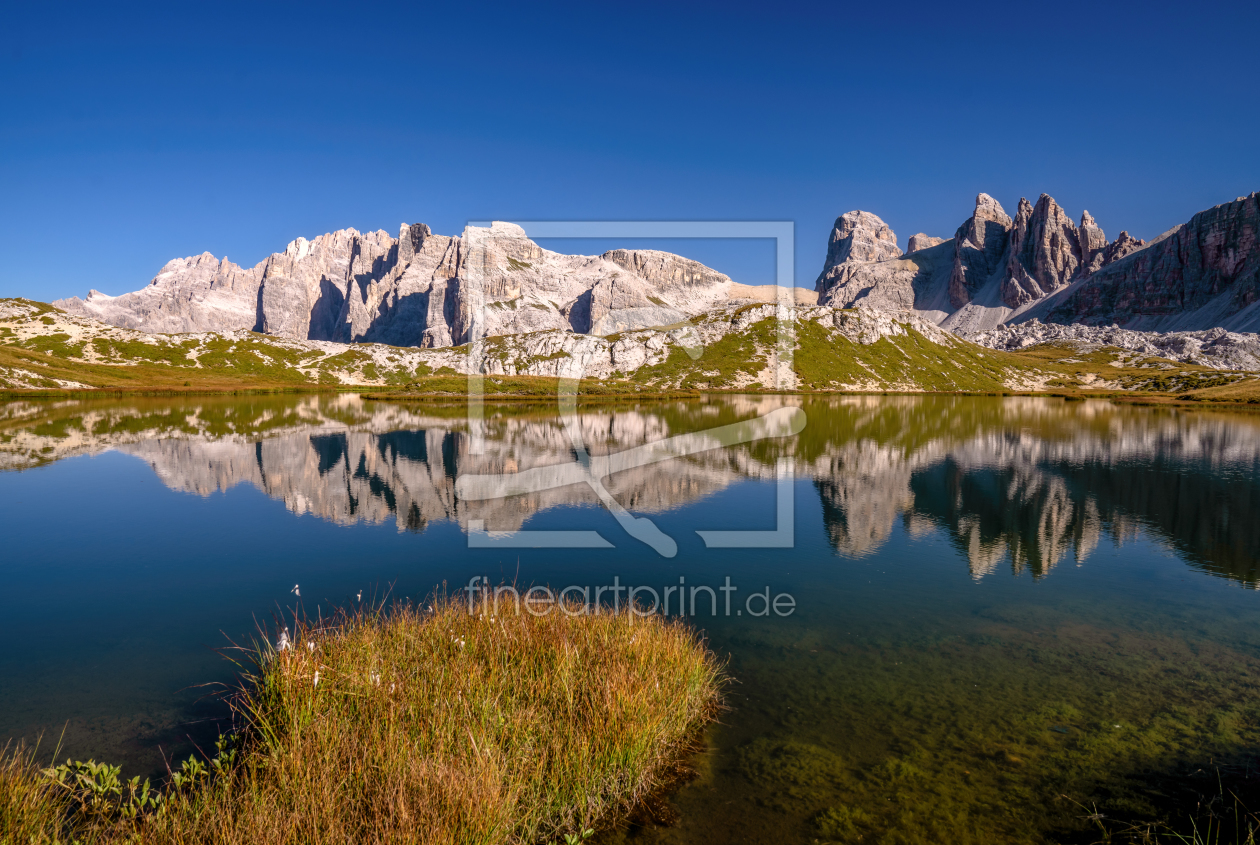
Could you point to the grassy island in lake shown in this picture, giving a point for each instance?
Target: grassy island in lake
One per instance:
(412, 725)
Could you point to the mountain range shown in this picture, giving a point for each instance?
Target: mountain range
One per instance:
(422, 290)
(433, 291)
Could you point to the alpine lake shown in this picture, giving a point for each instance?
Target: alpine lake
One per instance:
(945, 619)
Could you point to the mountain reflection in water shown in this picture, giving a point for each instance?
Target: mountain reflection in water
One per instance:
(1031, 481)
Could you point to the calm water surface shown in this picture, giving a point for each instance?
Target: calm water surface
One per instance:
(1009, 613)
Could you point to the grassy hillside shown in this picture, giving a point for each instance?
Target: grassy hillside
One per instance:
(43, 350)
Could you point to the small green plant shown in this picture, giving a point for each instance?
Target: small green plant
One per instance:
(99, 793)
(99, 790)
(225, 745)
(191, 772)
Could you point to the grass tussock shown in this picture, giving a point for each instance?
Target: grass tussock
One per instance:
(429, 726)
(32, 808)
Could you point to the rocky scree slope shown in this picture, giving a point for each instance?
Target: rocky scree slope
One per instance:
(998, 270)
(1215, 348)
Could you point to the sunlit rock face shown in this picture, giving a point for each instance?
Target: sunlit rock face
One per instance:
(1026, 483)
(419, 289)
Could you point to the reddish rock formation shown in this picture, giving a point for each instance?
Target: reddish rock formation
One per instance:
(1210, 265)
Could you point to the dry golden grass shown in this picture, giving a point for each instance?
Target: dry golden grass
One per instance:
(31, 807)
(447, 727)
(1246, 392)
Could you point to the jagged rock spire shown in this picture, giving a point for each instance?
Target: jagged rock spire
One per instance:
(1044, 252)
(979, 245)
(1093, 243)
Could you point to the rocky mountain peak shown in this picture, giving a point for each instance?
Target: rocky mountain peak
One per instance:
(858, 237)
(298, 248)
(989, 209)
(1123, 245)
(861, 236)
(1201, 274)
(1093, 243)
(922, 241)
(998, 268)
(411, 240)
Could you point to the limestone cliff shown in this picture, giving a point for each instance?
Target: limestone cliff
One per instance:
(433, 291)
(419, 289)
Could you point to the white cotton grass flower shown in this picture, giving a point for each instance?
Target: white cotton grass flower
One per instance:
(282, 644)
(310, 645)
(316, 677)
(360, 595)
(296, 591)
(375, 678)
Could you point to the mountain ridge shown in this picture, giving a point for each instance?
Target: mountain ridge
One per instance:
(421, 289)
(432, 291)
(999, 270)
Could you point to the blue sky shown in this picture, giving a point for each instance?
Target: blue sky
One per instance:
(133, 134)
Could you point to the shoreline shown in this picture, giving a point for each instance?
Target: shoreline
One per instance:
(451, 397)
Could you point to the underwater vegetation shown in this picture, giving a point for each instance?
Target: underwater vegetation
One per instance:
(1021, 724)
